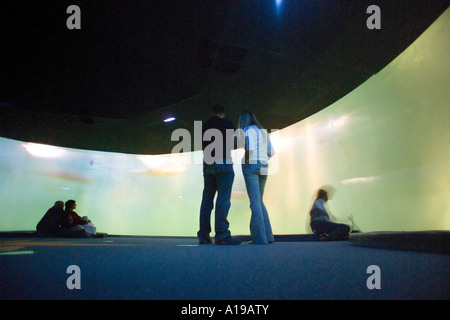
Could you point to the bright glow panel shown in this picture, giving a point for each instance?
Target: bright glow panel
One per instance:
(384, 148)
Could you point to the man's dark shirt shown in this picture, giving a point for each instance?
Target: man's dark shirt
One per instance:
(51, 220)
(222, 125)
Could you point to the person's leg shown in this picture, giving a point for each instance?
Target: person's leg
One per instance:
(339, 231)
(90, 228)
(257, 226)
(209, 191)
(335, 231)
(224, 181)
(79, 231)
(267, 225)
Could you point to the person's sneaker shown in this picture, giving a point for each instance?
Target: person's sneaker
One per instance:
(324, 237)
(205, 241)
(253, 242)
(228, 242)
(99, 235)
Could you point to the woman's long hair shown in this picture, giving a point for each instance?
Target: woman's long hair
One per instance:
(247, 119)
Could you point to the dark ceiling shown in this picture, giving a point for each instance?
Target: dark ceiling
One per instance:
(109, 85)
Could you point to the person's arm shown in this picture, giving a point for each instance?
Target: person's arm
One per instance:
(270, 150)
(251, 138)
(77, 219)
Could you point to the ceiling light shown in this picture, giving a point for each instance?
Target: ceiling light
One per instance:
(170, 119)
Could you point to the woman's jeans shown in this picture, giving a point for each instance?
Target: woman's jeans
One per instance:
(260, 228)
(217, 178)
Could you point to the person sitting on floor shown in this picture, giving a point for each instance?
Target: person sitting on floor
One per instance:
(321, 224)
(50, 224)
(77, 226)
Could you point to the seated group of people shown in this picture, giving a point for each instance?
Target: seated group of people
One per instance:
(60, 222)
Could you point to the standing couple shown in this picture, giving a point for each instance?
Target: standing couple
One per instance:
(218, 178)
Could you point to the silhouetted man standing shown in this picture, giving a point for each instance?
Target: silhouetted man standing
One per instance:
(218, 176)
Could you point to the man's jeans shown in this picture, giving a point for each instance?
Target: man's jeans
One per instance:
(255, 176)
(217, 178)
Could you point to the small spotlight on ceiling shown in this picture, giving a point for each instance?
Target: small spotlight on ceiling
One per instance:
(170, 119)
(278, 2)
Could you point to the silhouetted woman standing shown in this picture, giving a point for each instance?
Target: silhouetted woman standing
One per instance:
(258, 151)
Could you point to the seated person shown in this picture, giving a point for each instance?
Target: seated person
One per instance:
(321, 224)
(74, 225)
(50, 224)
